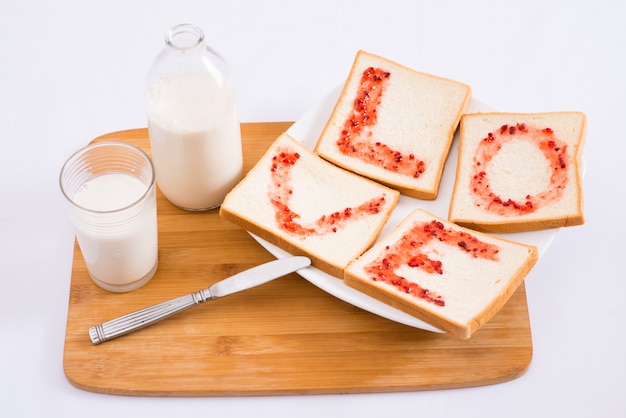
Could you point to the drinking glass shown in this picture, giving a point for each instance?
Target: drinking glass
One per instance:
(111, 192)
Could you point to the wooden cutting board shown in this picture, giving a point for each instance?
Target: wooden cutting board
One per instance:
(285, 337)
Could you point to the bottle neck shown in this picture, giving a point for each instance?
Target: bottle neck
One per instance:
(184, 38)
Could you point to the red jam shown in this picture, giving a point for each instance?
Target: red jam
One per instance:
(280, 194)
(356, 137)
(553, 150)
(408, 250)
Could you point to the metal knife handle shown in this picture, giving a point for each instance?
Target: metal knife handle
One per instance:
(147, 316)
(241, 281)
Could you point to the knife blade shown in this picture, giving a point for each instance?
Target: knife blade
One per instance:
(239, 282)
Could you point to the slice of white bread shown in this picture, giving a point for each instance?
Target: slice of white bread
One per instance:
(451, 277)
(519, 171)
(297, 201)
(394, 125)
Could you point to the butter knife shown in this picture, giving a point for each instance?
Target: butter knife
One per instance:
(241, 281)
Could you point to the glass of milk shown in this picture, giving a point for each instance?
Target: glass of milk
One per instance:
(194, 130)
(110, 187)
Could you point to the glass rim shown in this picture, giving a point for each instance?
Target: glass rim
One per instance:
(101, 144)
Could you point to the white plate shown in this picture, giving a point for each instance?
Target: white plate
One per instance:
(307, 131)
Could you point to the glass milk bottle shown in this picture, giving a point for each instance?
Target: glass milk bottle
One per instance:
(192, 121)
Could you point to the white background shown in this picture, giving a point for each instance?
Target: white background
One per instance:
(74, 70)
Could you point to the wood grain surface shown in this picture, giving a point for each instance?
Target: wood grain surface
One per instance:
(285, 337)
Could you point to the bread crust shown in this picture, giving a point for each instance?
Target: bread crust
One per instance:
(460, 330)
(266, 229)
(570, 216)
(405, 185)
(356, 278)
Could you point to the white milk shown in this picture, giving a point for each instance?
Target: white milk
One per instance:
(195, 139)
(119, 246)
